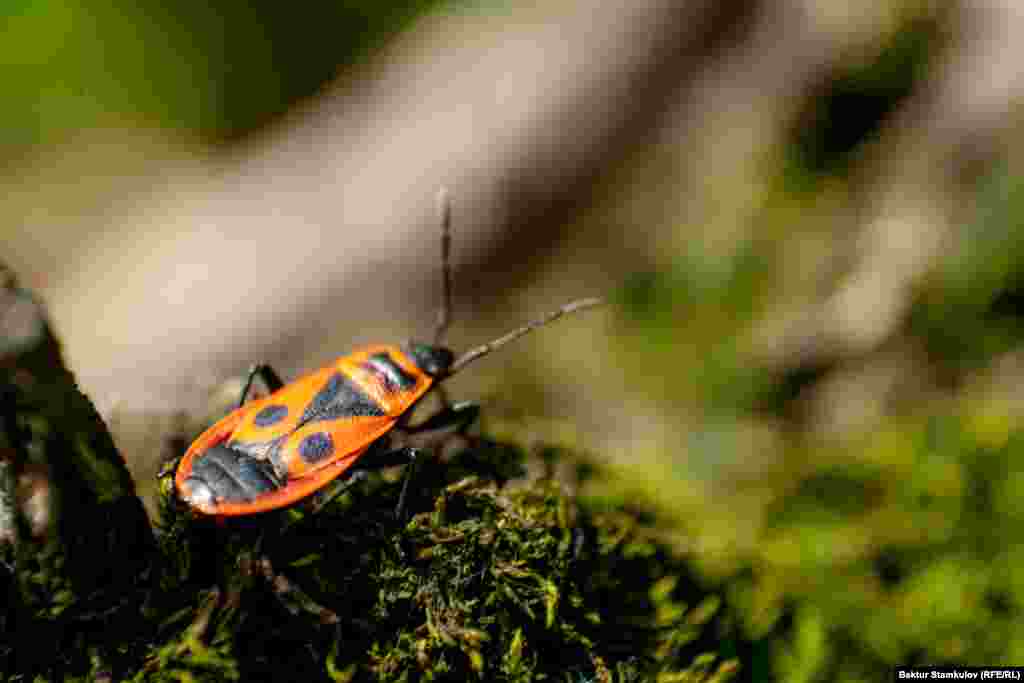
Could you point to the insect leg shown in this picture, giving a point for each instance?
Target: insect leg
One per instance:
(444, 314)
(442, 395)
(409, 454)
(406, 455)
(269, 376)
(173, 447)
(338, 487)
(290, 596)
(459, 415)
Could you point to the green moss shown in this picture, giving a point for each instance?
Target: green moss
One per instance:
(918, 568)
(485, 582)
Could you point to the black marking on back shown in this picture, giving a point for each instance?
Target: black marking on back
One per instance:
(340, 397)
(391, 373)
(316, 447)
(270, 415)
(233, 475)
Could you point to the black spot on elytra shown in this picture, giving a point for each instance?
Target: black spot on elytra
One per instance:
(270, 415)
(340, 397)
(316, 447)
(391, 374)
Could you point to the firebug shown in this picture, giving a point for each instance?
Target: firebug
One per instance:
(347, 417)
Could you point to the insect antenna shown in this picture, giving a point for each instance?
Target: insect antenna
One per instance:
(484, 349)
(444, 315)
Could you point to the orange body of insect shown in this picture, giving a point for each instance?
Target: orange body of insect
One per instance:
(279, 449)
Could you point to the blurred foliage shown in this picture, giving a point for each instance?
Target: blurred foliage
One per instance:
(724, 294)
(973, 309)
(898, 546)
(215, 71)
(902, 551)
(852, 105)
(891, 544)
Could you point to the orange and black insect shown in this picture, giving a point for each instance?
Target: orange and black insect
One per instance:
(275, 451)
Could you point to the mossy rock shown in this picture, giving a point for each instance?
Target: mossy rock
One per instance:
(487, 581)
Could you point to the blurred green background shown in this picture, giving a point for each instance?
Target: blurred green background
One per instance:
(811, 367)
(212, 71)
